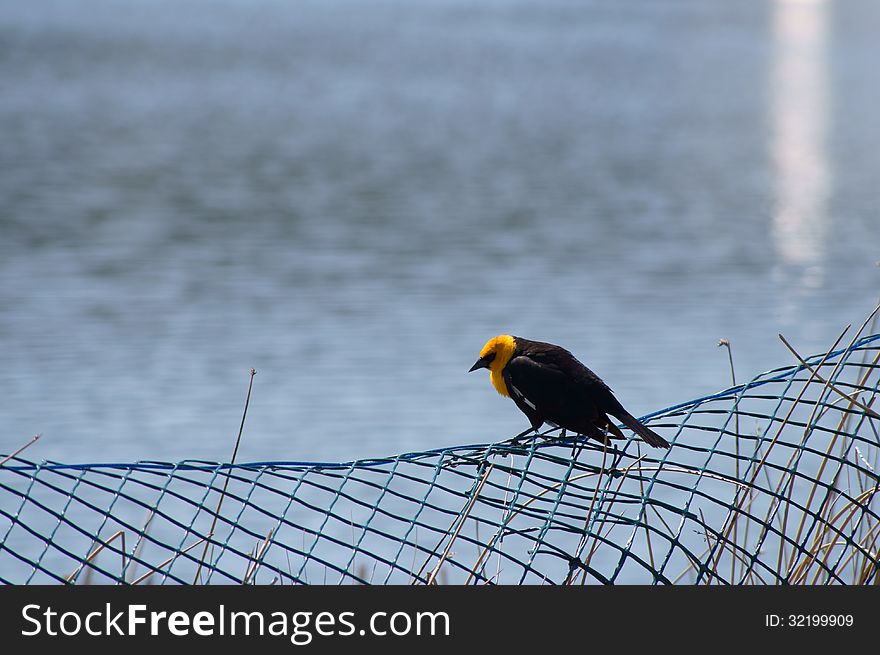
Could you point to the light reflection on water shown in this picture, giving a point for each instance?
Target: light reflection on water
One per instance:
(800, 129)
(352, 197)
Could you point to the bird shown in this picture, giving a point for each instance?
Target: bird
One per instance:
(549, 385)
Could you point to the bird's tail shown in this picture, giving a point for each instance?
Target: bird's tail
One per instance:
(647, 434)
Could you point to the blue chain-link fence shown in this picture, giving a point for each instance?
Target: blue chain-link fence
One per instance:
(773, 481)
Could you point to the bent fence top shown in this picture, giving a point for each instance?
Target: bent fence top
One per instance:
(770, 482)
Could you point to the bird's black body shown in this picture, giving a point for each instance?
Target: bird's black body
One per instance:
(549, 385)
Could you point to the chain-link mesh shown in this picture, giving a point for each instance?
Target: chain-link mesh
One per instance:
(769, 482)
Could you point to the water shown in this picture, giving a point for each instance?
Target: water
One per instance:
(352, 197)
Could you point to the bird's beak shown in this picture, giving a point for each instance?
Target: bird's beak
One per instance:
(483, 362)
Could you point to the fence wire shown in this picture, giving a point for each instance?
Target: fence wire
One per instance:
(769, 482)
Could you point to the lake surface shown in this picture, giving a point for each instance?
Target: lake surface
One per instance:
(352, 197)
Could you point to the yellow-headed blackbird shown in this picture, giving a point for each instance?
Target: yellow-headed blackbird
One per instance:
(550, 386)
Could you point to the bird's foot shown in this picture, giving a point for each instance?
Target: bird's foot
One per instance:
(519, 439)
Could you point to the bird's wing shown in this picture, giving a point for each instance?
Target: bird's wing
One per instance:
(542, 385)
(571, 378)
(565, 393)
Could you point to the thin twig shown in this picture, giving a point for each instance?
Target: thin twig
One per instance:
(139, 544)
(433, 576)
(228, 474)
(725, 343)
(830, 385)
(171, 559)
(258, 558)
(104, 544)
(30, 443)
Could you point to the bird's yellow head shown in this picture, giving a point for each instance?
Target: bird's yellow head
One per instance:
(494, 356)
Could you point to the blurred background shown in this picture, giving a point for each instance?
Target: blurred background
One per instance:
(352, 196)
